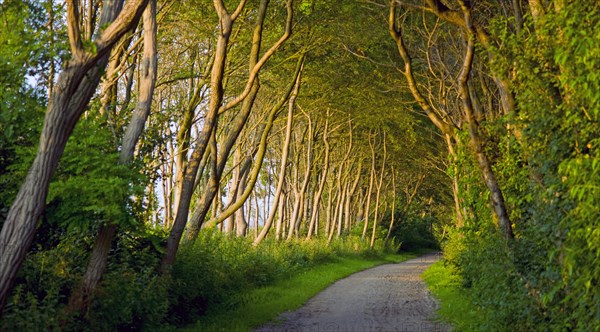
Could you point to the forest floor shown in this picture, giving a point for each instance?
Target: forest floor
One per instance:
(390, 297)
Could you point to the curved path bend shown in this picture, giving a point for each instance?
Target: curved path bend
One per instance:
(390, 297)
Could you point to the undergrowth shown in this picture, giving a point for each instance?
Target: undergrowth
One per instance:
(216, 273)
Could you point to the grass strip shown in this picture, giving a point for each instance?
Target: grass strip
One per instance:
(456, 306)
(261, 305)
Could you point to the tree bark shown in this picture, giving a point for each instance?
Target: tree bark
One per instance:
(387, 237)
(370, 190)
(261, 150)
(296, 215)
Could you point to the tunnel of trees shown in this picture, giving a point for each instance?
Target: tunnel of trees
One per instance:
(138, 138)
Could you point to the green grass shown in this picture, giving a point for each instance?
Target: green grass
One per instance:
(261, 305)
(456, 306)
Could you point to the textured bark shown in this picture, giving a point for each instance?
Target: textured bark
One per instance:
(72, 93)
(80, 298)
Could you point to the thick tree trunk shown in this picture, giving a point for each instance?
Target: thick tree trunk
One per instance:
(73, 91)
(80, 298)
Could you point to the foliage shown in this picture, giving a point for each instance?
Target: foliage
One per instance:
(132, 295)
(21, 105)
(547, 277)
(90, 185)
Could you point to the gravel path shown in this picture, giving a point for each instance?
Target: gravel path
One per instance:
(389, 297)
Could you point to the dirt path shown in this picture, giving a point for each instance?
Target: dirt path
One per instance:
(389, 297)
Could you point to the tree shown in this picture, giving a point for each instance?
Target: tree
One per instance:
(76, 84)
(99, 255)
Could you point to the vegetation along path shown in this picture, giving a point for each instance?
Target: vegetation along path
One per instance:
(389, 297)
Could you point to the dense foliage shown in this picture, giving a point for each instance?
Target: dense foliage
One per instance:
(547, 277)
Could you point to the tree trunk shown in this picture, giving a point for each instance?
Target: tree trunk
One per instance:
(284, 156)
(376, 216)
(317, 198)
(351, 194)
(261, 149)
(210, 122)
(387, 237)
(73, 91)
(296, 215)
(99, 257)
(498, 204)
(370, 190)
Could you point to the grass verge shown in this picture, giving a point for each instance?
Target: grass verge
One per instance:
(456, 306)
(261, 305)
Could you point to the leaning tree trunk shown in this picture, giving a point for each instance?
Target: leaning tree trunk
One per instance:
(301, 193)
(226, 21)
(97, 264)
(369, 191)
(376, 217)
(312, 225)
(253, 176)
(72, 93)
(284, 156)
(465, 22)
(497, 197)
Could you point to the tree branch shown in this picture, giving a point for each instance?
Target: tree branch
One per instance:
(256, 69)
(73, 29)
